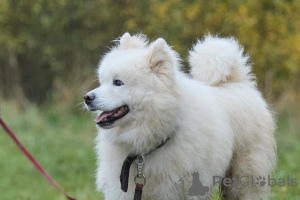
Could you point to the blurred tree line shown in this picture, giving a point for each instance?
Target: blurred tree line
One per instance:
(50, 49)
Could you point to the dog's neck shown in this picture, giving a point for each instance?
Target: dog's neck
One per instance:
(138, 141)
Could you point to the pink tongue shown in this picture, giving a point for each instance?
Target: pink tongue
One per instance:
(102, 116)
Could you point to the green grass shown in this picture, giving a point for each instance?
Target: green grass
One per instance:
(63, 143)
(288, 148)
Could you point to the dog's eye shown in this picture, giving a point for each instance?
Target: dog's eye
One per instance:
(118, 83)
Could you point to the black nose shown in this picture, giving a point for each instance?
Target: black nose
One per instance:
(89, 97)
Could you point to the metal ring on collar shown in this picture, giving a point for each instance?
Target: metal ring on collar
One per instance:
(142, 177)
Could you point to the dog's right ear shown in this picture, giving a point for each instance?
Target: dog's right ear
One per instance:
(159, 55)
(162, 60)
(130, 42)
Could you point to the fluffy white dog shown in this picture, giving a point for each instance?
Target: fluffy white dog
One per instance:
(213, 122)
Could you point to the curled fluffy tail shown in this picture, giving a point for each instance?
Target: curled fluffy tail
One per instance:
(219, 60)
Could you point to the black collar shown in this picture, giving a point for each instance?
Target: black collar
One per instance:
(127, 163)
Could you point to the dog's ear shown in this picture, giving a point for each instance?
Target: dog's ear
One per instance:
(159, 55)
(125, 40)
(135, 41)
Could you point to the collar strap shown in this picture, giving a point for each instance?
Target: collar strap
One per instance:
(124, 177)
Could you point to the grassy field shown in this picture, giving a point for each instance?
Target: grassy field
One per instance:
(63, 144)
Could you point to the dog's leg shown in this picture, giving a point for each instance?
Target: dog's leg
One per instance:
(250, 167)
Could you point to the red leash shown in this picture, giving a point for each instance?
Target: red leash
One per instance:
(32, 160)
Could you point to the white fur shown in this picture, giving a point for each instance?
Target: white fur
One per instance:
(223, 130)
(215, 60)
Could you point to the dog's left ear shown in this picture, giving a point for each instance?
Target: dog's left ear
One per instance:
(160, 56)
(129, 42)
(125, 40)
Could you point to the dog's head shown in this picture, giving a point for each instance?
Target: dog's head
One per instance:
(137, 83)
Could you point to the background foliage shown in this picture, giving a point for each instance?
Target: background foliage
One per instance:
(49, 51)
(49, 46)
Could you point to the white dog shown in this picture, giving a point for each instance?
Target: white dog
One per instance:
(213, 122)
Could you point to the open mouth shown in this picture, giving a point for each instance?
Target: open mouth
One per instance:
(109, 117)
